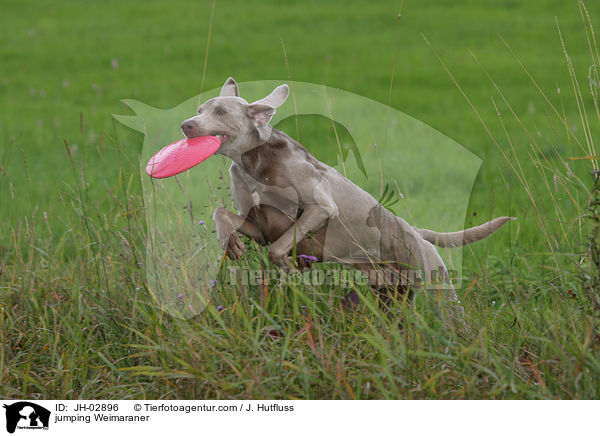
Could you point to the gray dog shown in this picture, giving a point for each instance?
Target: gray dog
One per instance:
(285, 196)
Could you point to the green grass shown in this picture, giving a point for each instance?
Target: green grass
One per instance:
(77, 319)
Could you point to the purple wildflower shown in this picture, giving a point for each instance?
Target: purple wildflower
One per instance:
(201, 222)
(180, 296)
(308, 257)
(220, 308)
(213, 283)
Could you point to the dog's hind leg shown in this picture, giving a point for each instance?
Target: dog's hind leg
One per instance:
(437, 282)
(418, 260)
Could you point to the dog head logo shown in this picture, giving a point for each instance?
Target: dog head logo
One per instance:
(26, 415)
(431, 176)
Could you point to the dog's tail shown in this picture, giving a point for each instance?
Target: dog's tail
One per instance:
(464, 237)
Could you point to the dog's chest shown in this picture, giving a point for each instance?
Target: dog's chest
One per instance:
(260, 192)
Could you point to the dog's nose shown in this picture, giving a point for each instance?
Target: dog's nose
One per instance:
(187, 126)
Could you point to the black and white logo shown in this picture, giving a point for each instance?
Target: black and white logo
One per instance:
(24, 415)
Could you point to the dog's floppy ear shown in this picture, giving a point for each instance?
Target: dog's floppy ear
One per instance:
(276, 98)
(230, 89)
(260, 113)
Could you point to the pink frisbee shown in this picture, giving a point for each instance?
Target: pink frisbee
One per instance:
(182, 155)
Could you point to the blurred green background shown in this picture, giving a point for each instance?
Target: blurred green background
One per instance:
(67, 64)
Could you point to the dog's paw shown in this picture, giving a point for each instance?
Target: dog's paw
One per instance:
(282, 260)
(276, 257)
(235, 246)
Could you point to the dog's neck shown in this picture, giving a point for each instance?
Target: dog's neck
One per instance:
(240, 145)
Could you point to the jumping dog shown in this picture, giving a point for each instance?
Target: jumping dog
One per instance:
(285, 196)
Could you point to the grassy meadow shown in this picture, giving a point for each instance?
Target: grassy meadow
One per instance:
(77, 315)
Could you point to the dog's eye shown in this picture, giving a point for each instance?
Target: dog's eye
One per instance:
(220, 112)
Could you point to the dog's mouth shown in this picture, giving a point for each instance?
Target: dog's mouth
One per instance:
(193, 133)
(223, 137)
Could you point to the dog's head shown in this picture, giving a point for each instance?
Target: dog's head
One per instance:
(233, 119)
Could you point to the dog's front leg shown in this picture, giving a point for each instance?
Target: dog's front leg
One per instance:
(311, 220)
(228, 224)
(319, 207)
